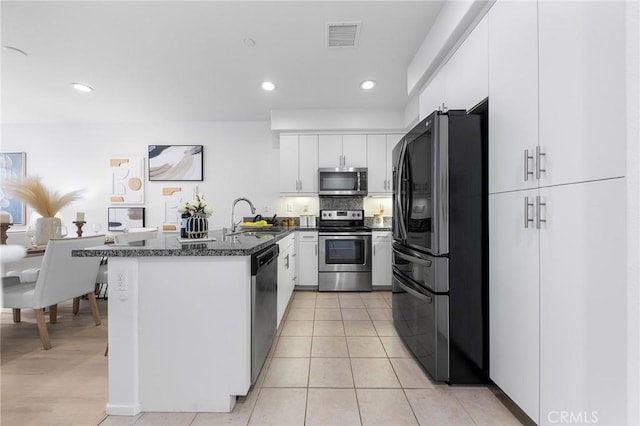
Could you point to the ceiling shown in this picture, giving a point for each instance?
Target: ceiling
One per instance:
(187, 61)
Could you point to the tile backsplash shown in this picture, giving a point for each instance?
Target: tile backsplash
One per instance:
(341, 203)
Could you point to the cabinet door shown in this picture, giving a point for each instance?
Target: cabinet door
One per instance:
(433, 96)
(582, 90)
(308, 163)
(381, 267)
(307, 259)
(583, 299)
(467, 71)
(354, 150)
(392, 141)
(514, 299)
(513, 94)
(377, 163)
(330, 151)
(288, 163)
(283, 277)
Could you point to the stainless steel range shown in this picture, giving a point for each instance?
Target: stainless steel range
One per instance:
(344, 262)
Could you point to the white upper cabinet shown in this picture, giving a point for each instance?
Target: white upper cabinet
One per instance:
(330, 151)
(582, 90)
(289, 163)
(466, 73)
(433, 96)
(377, 163)
(343, 151)
(308, 163)
(379, 153)
(463, 81)
(298, 164)
(354, 150)
(513, 95)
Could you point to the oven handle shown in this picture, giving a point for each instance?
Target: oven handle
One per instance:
(344, 234)
(414, 292)
(413, 257)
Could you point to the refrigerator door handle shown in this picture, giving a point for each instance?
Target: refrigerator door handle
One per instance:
(413, 257)
(405, 286)
(403, 231)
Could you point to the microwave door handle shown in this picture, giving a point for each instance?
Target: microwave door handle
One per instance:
(404, 285)
(358, 184)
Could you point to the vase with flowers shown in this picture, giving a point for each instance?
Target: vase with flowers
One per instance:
(197, 222)
(45, 202)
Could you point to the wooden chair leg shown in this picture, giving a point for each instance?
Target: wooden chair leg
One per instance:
(94, 308)
(53, 314)
(16, 314)
(42, 329)
(76, 305)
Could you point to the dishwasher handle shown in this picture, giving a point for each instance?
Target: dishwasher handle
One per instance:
(263, 258)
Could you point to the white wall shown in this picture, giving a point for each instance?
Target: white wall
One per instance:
(633, 211)
(240, 160)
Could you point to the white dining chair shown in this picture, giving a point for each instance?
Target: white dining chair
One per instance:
(61, 278)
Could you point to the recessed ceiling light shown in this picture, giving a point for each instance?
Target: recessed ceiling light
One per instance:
(249, 42)
(15, 50)
(268, 86)
(82, 87)
(367, 84)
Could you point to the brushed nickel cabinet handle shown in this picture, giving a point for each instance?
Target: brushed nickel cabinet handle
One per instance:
(539, 168)
(527, 204)
(538, 218)
(527, 157)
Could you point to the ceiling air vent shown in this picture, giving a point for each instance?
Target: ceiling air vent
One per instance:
(342, 34)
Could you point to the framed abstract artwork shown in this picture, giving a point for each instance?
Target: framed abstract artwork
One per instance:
(123, 218)
(175, 162)
(13, 167)
(126, 179)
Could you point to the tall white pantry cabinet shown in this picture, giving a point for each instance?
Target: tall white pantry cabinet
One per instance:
(557, 208)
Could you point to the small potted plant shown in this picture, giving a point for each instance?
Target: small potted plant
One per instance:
(197, 222)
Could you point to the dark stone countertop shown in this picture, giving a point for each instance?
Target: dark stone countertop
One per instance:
(243, 244)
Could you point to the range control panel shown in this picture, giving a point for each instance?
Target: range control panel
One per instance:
(342, 214)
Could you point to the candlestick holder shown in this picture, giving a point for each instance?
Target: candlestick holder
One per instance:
(79, 225)
(4, 227)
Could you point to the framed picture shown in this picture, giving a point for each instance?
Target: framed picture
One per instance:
(13, 167)
(123, 218)
(126, 179)
(175, 162)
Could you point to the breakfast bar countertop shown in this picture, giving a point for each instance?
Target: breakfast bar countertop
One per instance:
(239, 244)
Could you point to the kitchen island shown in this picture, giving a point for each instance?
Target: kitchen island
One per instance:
(180, 322)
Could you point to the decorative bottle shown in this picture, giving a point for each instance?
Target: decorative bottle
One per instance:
(183, 224)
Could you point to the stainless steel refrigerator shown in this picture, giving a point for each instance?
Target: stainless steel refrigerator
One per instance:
(440, 293)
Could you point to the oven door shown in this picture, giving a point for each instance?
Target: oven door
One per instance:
(344, 252)
(421, 319)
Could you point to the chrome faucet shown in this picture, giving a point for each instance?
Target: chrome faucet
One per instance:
(234, 225)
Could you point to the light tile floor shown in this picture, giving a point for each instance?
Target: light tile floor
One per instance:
(336, 360)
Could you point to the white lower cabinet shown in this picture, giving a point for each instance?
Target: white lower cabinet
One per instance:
(514, 300)
(286, 274)
(307, 258)
(557, 297)
(582, 303)
(381, 259)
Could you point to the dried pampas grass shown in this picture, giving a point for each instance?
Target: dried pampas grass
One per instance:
(42, 200)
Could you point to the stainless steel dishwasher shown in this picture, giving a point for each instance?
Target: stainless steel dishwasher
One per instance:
(264, 306)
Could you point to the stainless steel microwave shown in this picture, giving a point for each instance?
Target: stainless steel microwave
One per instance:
(342, 181)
